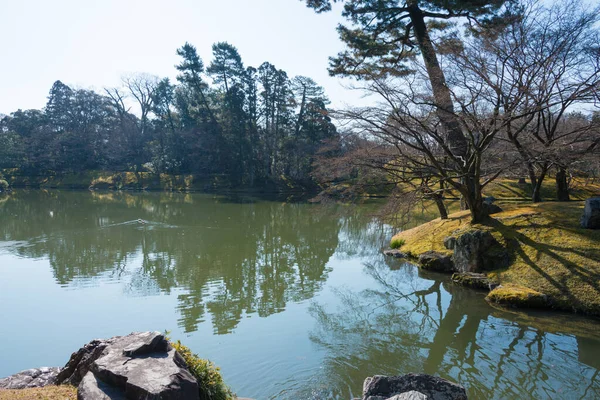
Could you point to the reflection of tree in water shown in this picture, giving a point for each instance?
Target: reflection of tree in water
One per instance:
(232, 259)
(409, 324)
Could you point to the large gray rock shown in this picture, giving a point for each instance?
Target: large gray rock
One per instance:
(434, 388)
(137, 366)
(30, 378)
(80, 362)
(591, 214)
(478, 250)
(433, 261)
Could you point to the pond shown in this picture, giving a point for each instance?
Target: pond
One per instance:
(291, 300)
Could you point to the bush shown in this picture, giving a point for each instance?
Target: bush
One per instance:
(206, 373)
(396, 243)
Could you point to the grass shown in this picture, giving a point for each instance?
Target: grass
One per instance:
(396, 243)
(206, 373)
(550, 253)
(510, 189)
(51, 392)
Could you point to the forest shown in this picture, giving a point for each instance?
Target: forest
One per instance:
(461, 94)
(252, 126)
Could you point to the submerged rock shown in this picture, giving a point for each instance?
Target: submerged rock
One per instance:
(411, 386)
(30, 378)
(434, 261)
(591, 214)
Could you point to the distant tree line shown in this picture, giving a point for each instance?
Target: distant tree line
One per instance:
(252, 125)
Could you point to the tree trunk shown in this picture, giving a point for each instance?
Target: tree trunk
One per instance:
(536, 195)
(474, 200)
(562, 185)
(441, 93)
(439, 202)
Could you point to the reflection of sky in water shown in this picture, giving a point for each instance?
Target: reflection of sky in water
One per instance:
(292, 301)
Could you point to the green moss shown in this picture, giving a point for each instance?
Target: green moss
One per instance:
(580, 189)
(206, 373)
(549, 252)
(396, 243)
(517, 296)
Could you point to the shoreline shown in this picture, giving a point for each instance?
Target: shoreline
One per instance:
(527, 256)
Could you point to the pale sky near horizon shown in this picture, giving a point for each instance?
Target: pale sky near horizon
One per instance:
(90, 44)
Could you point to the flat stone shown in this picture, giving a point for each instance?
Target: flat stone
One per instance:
(433, 387)
(395, 253)
(474, 280)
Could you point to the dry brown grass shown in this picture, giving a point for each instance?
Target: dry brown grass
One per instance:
(51, 392)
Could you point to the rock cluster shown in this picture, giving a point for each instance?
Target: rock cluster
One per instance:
(591, 214)
(137, 366)
(411, 387)
(30, 378)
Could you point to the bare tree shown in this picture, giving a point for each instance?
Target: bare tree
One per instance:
(542, 67)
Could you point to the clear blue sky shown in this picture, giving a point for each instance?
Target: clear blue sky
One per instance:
(91, 43)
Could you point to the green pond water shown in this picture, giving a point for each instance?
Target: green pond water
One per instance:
(291, 300)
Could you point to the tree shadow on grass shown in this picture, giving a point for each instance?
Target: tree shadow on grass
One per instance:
(590, 276)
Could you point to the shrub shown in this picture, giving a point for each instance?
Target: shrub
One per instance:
(396, 243)
(206, 373)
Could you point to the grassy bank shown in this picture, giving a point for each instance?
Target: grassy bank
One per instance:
(550, 254)
(111, 180)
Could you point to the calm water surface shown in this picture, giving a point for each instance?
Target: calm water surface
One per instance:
(290, 300)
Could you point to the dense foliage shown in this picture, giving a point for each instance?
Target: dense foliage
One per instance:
(251, 125)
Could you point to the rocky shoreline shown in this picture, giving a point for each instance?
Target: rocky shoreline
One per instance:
(144, 365)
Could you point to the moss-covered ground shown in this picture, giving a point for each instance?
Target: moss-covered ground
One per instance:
(550, 253)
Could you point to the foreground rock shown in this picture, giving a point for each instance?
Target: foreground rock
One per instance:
(433, 261)
(137, 366)
(30, 378)
(591, 214)
(413, 387)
